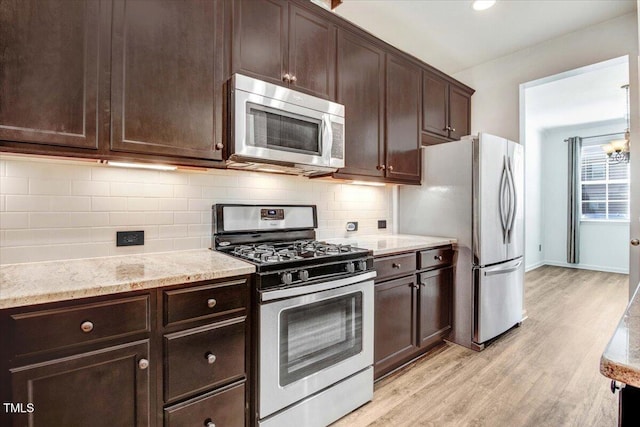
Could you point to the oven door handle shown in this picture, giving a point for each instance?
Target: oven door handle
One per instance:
(319, 287)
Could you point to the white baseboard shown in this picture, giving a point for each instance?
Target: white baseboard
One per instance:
(533, 266)
(587, 267)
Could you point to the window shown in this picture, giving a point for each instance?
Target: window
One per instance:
(605, 185)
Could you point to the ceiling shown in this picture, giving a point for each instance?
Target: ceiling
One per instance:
(451, 36)
(590, 97)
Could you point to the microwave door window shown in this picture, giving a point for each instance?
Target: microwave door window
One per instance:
(279, 130)
(319, 335)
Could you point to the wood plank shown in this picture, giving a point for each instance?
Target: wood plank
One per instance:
(543, 373)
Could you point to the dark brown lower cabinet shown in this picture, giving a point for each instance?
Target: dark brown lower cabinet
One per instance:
(436, 292)
(413, 312)
(108, 387)
(395, 319)
(220, 408)
(629, 406)
(173, 356)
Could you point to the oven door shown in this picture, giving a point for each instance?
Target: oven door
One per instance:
(268, 129)
(309, 342)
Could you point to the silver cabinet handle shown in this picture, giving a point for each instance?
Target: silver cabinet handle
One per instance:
(210, 424)
(438, 257)
(143, 364)
(394, 265)
(219, 145)
(390, 168)
(86, 327)
(293, 79)
(452, 129)
(381, 167)
(635, 242)
(211, 302)
(287, 77)
(211, 358)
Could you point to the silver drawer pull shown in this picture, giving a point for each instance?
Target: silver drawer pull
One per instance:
(209, 423)
(211, 302)
(211, 358)
(438, 257)
(394, 265)
(143, 364)
(86, 327)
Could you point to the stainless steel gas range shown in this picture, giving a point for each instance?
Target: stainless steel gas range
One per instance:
(314, 313)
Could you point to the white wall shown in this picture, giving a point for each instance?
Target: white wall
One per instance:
(54, 209)
(603, 245)
(533, 255)
(495, 105)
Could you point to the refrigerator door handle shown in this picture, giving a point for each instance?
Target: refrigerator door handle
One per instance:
(512, 200)
(501, 200)
(503, 270)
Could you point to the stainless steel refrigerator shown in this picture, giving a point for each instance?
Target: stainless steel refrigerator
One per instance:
(472, 190)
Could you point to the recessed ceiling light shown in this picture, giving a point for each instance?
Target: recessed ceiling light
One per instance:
(483, 4)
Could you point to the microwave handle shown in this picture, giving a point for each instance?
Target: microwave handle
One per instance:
(327, 138)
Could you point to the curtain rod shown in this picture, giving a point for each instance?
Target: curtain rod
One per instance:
(599, 136)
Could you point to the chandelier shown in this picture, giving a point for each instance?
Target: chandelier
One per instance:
(618, 149)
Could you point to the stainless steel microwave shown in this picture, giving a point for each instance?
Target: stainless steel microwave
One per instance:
(283, 128)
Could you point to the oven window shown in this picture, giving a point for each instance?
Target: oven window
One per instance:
(319, 335)
(279, 130)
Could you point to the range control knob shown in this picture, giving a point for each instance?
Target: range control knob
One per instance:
(303, 275)
(287, 278)
(350, 267)
(362, 265)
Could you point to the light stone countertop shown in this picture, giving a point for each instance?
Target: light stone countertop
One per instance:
(42, 282)
(621, 359)
(385, 244)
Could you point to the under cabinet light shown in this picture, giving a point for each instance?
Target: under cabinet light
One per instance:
(141, 165)
(372, 184)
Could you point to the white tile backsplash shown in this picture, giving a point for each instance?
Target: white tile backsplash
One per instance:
(55, 209)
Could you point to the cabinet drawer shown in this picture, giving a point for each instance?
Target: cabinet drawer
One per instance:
(438, 257)
(224, 408)
(206, 301)
(203, 358)
(395, 265)
(68, 326)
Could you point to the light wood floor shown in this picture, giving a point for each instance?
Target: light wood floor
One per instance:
(545, 373)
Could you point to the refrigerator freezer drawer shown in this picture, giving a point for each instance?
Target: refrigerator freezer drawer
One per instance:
(499, 292)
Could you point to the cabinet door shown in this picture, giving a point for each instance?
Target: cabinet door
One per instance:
(395, 320)
(360, 87)
(259, 46)
(435, 101)
(402, 120)
(435, 305)
(459, 113)
(101, 388)
(166, 68)
(49, 72)
(312, 53)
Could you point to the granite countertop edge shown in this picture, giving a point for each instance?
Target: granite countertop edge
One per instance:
(54, 281)
(620, 360)
(387, 244)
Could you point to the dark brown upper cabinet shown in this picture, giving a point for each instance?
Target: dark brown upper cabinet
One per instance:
(285, 44)
(360, 87)
(167, 78)
(402, 120)
(49, 72)
(446, 109)
(382, 132)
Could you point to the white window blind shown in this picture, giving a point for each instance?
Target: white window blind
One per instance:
(605, 185)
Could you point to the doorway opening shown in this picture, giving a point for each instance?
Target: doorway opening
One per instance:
(588, 103)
